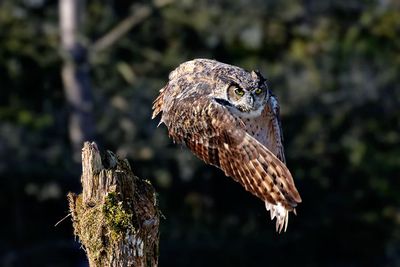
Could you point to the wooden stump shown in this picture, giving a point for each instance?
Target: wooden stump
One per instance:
(116, 218)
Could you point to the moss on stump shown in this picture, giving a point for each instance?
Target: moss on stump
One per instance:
(116, 217)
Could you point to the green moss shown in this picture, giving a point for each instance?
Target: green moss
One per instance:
(101, 227)
(117, 217)
(89, 228)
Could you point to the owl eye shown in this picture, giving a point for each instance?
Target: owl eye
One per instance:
(239, 91)
(258, 91)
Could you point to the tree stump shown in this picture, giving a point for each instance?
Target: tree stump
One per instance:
(116, 217)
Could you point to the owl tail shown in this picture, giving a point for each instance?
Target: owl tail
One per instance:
(281, 214)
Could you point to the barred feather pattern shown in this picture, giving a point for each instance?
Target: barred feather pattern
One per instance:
(195, 116)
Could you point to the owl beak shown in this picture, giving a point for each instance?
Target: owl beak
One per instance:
(250, 100)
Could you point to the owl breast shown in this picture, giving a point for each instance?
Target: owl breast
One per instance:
(257, 127)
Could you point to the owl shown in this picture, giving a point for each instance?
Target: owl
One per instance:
(229, 118)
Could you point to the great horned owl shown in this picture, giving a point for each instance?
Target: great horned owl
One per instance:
(229, 118)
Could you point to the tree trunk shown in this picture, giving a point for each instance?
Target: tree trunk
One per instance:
(75, 75)
(116, 218)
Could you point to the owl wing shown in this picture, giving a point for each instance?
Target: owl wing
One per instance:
(274, 128)
(217, 137)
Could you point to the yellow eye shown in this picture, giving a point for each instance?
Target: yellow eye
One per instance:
(258, 91)
(239, 91)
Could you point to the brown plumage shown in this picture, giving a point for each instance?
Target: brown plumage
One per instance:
(229, 118)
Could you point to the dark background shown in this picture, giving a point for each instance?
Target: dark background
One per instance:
(334, 66)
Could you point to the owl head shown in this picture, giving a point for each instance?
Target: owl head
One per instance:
(244, 93)
(249, 97)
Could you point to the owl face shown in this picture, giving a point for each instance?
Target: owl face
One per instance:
(247, 101)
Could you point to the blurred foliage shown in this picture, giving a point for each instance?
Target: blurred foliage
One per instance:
(334, 66)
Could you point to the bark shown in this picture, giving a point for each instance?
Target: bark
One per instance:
(116, 217)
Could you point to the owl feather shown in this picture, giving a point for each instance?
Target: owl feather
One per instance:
(204, 122)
